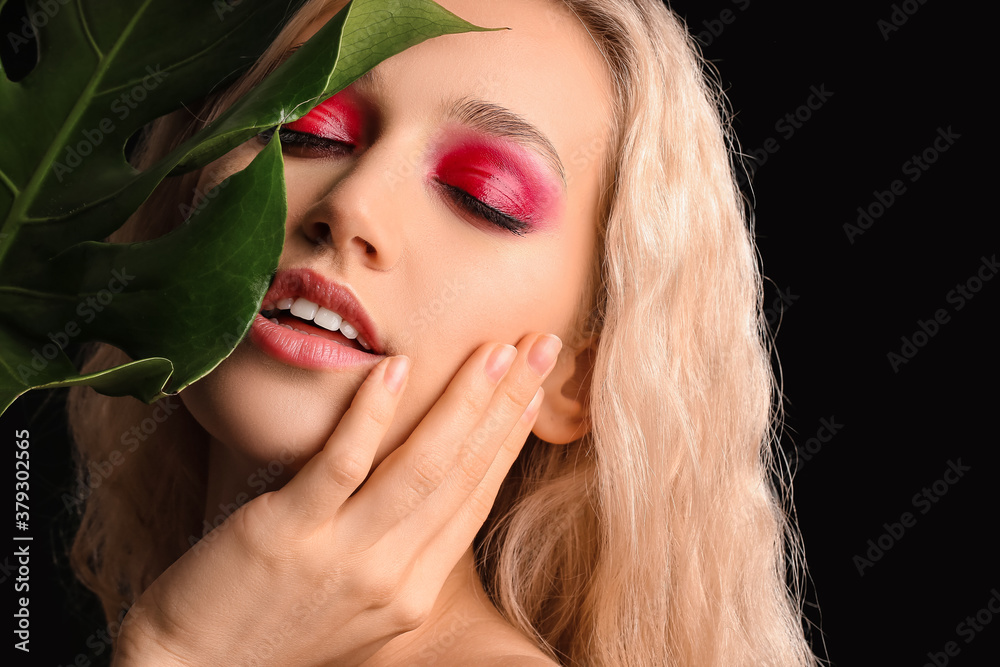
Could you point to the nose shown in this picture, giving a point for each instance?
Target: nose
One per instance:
(353, 214)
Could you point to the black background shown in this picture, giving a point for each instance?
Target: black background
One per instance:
(846, 306)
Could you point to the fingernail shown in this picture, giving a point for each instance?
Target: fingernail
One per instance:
(500, 360)
(395, 373)
(543, 353)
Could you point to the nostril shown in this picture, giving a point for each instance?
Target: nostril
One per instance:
(369, 248)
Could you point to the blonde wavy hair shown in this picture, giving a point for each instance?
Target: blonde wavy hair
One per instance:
(660, 537)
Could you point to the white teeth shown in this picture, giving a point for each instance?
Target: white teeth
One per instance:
(275, 320)
(328, 319)
(304, 309)
(322, 317)
(348, 331)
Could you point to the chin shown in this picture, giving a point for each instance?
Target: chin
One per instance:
(265, 411)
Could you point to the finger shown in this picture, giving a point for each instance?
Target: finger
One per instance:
(315, 493)
(415, 469)
(457, 442)
(448, 545)
(519, 389)
(507, 407)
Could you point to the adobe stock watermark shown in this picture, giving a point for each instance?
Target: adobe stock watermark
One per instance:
(99, 471)
(913, 168)
(201, 199)
(224, 7)
(923, 500)
(7, 569)
(786, 126)
(418, 322)
(715, 27)
(121, 107)
(101, 639)
(558, 12)
(405, 167)
(968, 629)
(442, 640)
(87, 309)
(898, 17)
(958, 296)
(317, 600)
(585, 154)
(829, 427)
(40, 13)
(257, 482)
(429, 311)
(781, 303)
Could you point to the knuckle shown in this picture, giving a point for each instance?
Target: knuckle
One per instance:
(381, 590)
(473, 462)
(427, 474)
(512, 399)
(410, 612)
(347, 469)
(257, 526)
(469, 405)
(254, 521)
(380, 415)
(480, 504)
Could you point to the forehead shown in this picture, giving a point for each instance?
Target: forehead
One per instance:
(545, 69)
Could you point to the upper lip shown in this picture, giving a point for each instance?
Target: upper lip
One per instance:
(310, 285)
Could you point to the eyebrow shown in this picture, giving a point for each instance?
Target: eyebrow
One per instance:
(486, 117)
(502, 123)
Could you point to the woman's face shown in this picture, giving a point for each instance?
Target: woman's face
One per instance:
(382, 185)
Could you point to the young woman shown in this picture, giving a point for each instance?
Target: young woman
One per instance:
(542, 432)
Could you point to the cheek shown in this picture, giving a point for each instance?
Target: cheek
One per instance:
(263, 411)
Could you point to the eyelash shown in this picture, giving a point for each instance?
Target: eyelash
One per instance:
(502, 220)
(291, 138)
(467, 201)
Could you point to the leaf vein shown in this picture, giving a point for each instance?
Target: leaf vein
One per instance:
(177, 65)
(86, 30)
(9, 183)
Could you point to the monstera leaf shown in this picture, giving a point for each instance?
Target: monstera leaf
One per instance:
(177, 305)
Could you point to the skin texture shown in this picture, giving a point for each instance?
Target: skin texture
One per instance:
(375, 218)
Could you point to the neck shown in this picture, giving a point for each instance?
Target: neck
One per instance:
(234, 480)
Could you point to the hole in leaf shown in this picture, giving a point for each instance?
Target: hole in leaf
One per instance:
(133, 143)
(19, 44)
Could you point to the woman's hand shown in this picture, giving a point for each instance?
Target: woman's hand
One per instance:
(311, 574)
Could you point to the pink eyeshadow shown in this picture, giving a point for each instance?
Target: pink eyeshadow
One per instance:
(504, 176)
(336, 118)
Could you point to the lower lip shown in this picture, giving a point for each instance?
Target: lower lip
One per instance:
(305, 351)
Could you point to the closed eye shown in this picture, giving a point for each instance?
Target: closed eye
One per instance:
(482, 210)
(303, 144)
